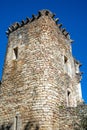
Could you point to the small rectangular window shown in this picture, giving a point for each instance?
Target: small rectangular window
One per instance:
(65, 59)
(67, 66)
(68, 98)
(15, 53)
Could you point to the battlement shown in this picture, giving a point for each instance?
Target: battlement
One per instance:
(41, 13)
(77, 62)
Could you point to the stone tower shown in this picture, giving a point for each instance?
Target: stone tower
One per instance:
(40, 74)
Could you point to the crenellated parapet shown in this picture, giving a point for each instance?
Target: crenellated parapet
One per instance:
(77, 62)
(41, 13)
(17, 25)
(79, 76)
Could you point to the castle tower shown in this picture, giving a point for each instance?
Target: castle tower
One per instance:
(40, 74)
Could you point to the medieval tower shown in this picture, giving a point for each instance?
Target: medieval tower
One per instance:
(40, 75)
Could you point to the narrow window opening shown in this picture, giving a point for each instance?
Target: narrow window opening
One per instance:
(65, 59)
(15, 53)
(16, 123)
(68, 93)
(66, 64)
(68, 98)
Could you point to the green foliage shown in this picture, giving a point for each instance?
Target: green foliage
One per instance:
(61, 107)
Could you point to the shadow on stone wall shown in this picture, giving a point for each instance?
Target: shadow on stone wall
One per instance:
(31, 125)
(6, 126)
(28, 126)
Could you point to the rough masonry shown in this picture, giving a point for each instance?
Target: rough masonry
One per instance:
(41, 78)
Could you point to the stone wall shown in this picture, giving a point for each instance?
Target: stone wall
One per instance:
(71, 118)
(39, 74)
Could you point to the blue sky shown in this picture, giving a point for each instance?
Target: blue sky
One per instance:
(72, 13)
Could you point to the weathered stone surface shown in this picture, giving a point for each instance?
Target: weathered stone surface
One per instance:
(70, 118)
(39, 75)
